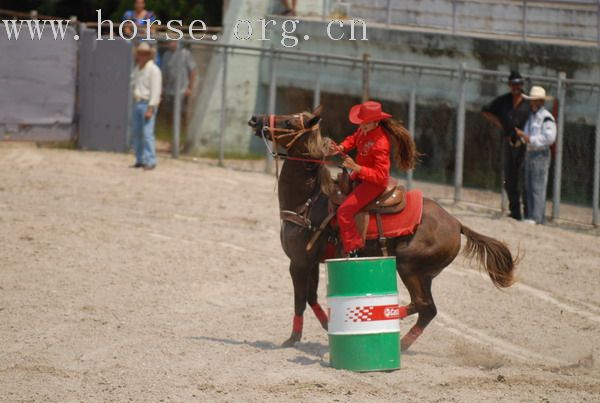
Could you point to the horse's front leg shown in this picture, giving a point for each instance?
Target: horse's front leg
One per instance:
(300, 276)
(313, 301)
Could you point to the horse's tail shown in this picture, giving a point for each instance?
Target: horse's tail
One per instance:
(493, 255)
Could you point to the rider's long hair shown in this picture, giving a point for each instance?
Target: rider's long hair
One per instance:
(404, 150)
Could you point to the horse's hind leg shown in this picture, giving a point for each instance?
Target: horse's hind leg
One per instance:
(312, 299)
(300, 276)
(422, 301)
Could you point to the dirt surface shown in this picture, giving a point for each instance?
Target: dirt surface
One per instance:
(170, 285)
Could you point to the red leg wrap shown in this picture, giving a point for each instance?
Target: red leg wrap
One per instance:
(410, 337)
(319, 313)
(298, 324)
(403, 310)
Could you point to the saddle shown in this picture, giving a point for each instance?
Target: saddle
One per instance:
(392, 200)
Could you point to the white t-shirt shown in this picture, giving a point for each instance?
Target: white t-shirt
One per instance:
(147, 83)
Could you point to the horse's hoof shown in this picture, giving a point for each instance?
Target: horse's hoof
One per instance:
(294, 338)
(325, 325)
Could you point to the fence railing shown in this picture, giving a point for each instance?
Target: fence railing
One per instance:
(462, 73)
(514, 18)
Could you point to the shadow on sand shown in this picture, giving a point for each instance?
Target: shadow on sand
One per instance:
(316, 350)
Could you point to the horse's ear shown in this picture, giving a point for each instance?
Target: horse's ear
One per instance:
(313, 121)
(318, 110)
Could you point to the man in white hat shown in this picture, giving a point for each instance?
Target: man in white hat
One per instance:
(147, 85)
(538, 134)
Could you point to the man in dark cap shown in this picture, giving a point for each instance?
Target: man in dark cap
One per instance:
(507, 112)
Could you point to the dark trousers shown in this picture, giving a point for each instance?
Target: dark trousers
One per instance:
(513, 174)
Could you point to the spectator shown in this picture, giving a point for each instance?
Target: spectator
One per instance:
(539, 134)
(172, 58)
(147, 84)
(287, 9)
(140, 16)
(507, 112)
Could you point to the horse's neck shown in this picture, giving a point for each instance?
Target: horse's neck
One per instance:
(296, 185)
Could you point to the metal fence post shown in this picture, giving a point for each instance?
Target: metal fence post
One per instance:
(325, 10)
(271, 102)
(524, 21)
(561, 91)
(177, 102)
(366, 64)
(223, 110)
(596, 191)
(598, 22)
(453, 16)
(412, 112)
(460, 135)
(317, 90)
(388, 15)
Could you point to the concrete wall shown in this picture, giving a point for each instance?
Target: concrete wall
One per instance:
(244, 93)
(567, 20)
(439, 49)
(437, 96)
(203, 132)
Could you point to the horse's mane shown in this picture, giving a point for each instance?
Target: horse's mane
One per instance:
(318, 148)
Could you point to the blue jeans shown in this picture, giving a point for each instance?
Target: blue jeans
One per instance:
(537, 165)
(142, 134)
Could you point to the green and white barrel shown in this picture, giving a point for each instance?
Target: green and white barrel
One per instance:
(364, 326)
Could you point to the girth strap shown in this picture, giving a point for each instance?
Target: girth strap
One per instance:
(320, 230)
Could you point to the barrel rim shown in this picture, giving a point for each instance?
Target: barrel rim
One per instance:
(368, 295)
(365, 332)
(354, 259)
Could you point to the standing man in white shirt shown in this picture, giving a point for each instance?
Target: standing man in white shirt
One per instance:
(538, 134)
(147, 85)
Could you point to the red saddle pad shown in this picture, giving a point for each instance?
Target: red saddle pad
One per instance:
(402, 223)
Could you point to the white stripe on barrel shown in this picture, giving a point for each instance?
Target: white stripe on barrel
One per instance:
(363, 315)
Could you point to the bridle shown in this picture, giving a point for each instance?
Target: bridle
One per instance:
(300, 217)
(280, 134)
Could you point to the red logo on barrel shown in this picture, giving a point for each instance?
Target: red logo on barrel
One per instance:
(372, 313)
(392, 312)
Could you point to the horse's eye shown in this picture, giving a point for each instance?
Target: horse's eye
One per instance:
(288, 125)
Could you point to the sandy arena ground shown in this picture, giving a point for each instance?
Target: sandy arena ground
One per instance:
(123, 285)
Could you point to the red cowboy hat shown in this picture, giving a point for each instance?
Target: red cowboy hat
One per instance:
(369, 111)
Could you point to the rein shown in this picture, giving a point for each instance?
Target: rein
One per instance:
(322, 162)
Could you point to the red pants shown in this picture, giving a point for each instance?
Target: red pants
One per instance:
(362, 195)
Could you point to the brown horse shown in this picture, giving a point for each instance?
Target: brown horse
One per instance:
(419, 257)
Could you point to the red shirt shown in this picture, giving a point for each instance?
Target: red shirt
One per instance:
(373, 155)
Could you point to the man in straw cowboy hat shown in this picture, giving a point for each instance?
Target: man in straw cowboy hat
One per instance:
(538, 134)
(507, 112)
(147, 84)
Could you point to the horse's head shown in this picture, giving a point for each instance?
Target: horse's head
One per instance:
(296, 133)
